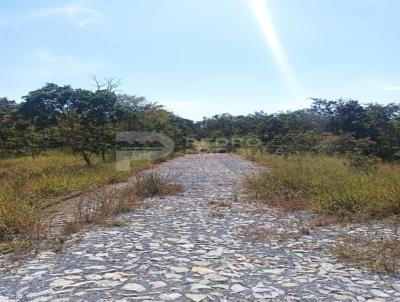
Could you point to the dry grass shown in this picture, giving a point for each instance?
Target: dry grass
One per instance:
(97, 206)
(327, 185)
(265, 234)
(71, 227)
(155, 185)
(38, 181)
(217, 214)
(377, 256)
(29, 185)
(373, 252)
(340, 192)
(219, 203)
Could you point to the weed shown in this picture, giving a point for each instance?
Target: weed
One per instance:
(153, 184)
(96, 206)
(363, 163)
(263, 234)
(220, 203)
(11, 246)
(71, 227)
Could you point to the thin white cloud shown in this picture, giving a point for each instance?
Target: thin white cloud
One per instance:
(74, 12)
(391, 88)
(51, 64)
(377, 84)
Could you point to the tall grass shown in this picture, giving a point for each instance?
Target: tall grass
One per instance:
(328, 185)
(29, 185)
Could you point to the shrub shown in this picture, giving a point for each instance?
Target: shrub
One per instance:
(334, 144)
(153, 184)
(364, 163)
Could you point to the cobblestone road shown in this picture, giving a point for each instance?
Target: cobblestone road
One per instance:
(193, 247)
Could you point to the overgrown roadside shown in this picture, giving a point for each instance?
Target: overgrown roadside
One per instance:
(31, 220)
(359, 193)
(99, 207)
(192, 246)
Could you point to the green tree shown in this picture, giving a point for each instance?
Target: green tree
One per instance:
(7, 125)
(84, 118)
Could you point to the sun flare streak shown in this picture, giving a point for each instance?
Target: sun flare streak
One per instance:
(263, 17)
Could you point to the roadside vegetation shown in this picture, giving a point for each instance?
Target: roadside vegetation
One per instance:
(28, 186)
(329, 185)
(113, 201)
(355, 188)
(379, 255)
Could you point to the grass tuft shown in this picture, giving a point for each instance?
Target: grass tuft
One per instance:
(153, 184)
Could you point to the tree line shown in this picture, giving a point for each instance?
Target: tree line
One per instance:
(87, 121)
(331, 127)
(81, 120)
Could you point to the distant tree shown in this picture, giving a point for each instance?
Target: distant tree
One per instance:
(350, 117)
(295, 142)
(7, 125)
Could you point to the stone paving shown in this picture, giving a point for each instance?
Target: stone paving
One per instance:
(193, 247)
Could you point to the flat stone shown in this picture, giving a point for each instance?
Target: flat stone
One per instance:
(216, 277)
(170, 297)
(237, 288)
(108, 283)
(202, 270)
(196, 297)
(158, 284)
(198, 286)
(379, 293)
(289, 284)
(396, 286)
(134, 287)
(61, 283)
(180, 269)
(113, 276)
(215, 253)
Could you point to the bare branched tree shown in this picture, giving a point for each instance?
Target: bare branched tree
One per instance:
(109, 84)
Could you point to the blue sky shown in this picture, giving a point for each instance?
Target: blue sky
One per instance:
(203, 57)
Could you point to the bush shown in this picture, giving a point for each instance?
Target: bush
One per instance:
(153, 184)
(364, 163)
(334, 144)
